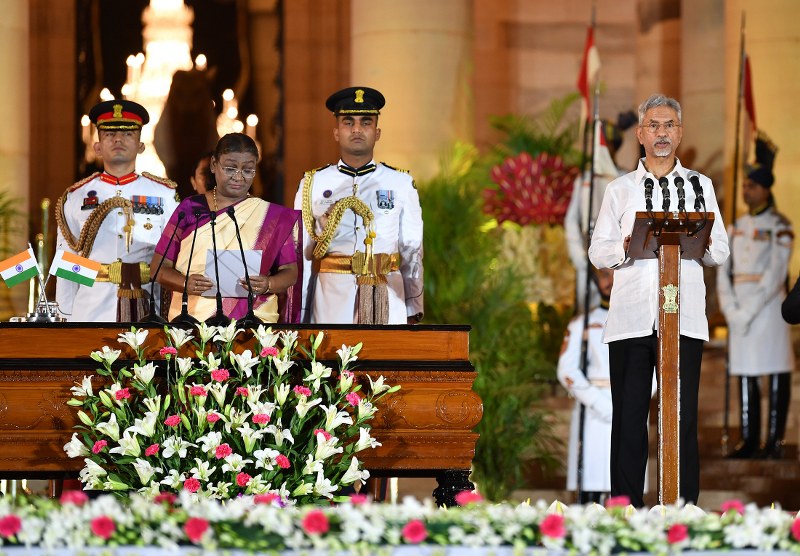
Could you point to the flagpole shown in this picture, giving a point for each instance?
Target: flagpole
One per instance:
(734, 199)
(588, 283)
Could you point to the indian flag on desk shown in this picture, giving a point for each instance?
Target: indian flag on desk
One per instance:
(70, 266)
(19, 268)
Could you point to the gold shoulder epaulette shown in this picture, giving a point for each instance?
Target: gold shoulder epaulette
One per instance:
(163, 181)
(320, 168)
(396, 169)
(77, 184)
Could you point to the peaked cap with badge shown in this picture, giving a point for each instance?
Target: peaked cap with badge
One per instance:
(761, 171)
(356, 101)
(119, 114)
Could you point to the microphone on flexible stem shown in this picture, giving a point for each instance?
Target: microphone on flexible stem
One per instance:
(219, 319)
(699, 200)
(152, 317)
(250, 320)
(648, 195)
(184, 317)
(663, 183)
(681, 193)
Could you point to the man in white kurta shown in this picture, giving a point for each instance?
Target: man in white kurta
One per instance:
(376, 194)
(115, 218)
(751, 288)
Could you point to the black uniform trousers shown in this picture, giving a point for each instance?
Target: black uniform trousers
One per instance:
(632, 364)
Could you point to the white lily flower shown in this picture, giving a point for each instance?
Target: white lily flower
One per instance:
(266, 458)
(144, 373)
(153, 404)
(107, 355)
(280, 434)
(145, 470)
(365, 440)
(128, 445)
(179, 336)
(245, 361)
(91, 473)
(304, 405)
(85, 389)
(254, 392)
(282, 364)
(206, 332)
(317, 373)
(184, 365)
(109, 428)
(210, 442)
(112, 393)
(75, 448)
(281, 393)
(353, 473)
(250, 436)
(235, 463)
(135, 338)
(312, 465)
(334, 417)
(175, 445)
(288, 339)
(345, 380)
(174, 479)
(202, 469)
(257, 408)
(265, 336)
(303, 489)
(218, 390)
(348, 354)
(227, 334)
(327, 448)
(377, 386)
(324, 487)
(235, 419)
(145, 427)
(365, 409)
(211, 362)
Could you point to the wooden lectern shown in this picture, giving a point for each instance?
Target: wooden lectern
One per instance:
(669, 237)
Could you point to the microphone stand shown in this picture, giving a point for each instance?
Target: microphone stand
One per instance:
(250, 320)
(219, 319)
(184, 317)
(153, 317)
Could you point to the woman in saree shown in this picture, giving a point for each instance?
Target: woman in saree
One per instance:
(267, 227)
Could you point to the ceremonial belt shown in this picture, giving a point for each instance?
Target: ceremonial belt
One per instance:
(746, 278)
(345, 264)
(113, 272)
(600, 382)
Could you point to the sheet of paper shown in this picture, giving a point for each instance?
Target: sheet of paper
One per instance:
(231, 270)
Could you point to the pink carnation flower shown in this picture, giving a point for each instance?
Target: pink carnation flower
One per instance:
(242, 479)
(165, 497)
(213, 417)
(269, 351)
(122, 394)
(677, 533)
(414, 532)
(796, 529)
(242, 391)
(359, 499)
(223, 451)
(316, 523)
(10, 525)
(466, 497)
(618, 502)
(353, 399)
(283, 462)
(168, 350)
(735, 505)
(151, 450)
(302, 391)
(267, 498)
(553, 526)
(98, 446)
(325, 433)
(191, 484)
(260, 418)
(198, 391)
(76, 497)
(220, 375)
(195, 528)
(103, 526)
(172, 421)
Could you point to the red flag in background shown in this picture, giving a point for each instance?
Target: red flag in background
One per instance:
(747, 93)
(588, 75)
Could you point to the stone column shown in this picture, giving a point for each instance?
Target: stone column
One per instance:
(658, 48)
(418, 53)
(14, 140)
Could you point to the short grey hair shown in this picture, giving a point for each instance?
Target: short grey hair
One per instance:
(659, 100)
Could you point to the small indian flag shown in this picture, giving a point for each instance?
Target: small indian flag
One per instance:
(74, 268)
(19, 268)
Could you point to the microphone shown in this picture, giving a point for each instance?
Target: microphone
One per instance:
(681, 192)
(699, 200)
(152, 317)
(250, 320)
(663, 183)
(648, 194)
(184, 317)
(219, 319)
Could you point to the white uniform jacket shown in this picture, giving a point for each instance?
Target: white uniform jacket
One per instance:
(394, 201)
(760, 340)
(634, 297)
(154, 202)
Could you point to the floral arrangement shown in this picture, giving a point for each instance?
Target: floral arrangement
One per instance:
(260, 522)
(224, 424)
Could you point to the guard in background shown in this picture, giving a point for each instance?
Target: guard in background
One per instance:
(114, 217)
(760, 340)
(363, 221)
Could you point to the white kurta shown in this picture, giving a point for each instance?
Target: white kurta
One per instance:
(760, 340)
(394, 201)
(98, 303)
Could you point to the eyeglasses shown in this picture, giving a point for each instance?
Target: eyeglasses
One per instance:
(247, 174)
(654, 127)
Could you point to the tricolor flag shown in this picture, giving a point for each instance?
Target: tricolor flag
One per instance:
(74, 268)
(19, 268)
(749, 103)
(588, 76)
(603, 162)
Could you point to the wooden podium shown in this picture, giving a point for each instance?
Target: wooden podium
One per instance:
(669, 237)
(426, 428)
